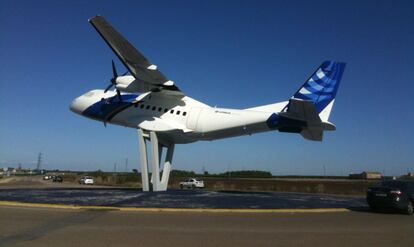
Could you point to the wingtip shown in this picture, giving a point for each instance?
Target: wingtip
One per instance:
(94, 17)
(334, 61)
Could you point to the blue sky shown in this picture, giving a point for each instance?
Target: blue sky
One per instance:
(235, 54)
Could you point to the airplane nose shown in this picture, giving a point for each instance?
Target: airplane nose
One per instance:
(76, 106)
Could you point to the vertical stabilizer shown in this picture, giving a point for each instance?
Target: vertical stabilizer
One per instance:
(321, 87)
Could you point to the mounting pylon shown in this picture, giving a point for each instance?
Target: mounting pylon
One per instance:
(154, 166)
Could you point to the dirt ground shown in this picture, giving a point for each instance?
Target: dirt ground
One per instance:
(21, 182)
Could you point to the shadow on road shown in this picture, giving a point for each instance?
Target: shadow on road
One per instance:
(378, 211)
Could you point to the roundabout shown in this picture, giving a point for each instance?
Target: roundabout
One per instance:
(178, 200)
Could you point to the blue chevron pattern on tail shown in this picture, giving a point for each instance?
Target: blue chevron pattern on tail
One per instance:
(322, 86)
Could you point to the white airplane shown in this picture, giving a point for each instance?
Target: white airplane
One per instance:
(149, 102)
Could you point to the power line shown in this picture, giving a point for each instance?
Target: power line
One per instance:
(39, 161)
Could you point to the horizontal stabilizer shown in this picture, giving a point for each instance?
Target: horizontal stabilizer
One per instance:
(312, 134)
(303, 111)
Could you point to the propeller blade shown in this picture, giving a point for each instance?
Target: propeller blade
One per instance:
(109, 87)
(114, 73)
(113, 79)
(119, 95)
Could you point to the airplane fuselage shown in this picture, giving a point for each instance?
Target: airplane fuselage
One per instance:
(183, 120)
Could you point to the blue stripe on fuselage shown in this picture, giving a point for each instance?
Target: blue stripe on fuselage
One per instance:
(283, 124)
(106, 108)
(273, 121)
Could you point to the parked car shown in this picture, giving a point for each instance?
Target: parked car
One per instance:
(46, 177)
(393, 194)
(86, 180)
(192, 183)
(57, 179)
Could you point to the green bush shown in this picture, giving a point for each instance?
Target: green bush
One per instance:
(70, 177)
(247, 174)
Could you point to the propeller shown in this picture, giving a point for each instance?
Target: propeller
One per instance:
(113, 81)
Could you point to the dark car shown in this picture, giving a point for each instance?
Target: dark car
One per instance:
(394, 194)
(58, 179)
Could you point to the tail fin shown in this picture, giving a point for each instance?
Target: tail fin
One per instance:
(321, 87)
(309, 108)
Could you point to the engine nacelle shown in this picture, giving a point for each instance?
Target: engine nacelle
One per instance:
(126, 83)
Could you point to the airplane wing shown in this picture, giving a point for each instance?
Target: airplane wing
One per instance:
(147, 76)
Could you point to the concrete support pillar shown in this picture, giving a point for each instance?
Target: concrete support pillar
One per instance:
(143, 160)
(154, 166)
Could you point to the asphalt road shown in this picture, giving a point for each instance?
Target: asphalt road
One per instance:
(64, 227)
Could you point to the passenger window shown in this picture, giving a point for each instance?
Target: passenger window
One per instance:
(172, 111)
(184, 113)
(147, 107)
(165, 110)
(178, 112)
(153, 108)
(142, 106)
(159, 109)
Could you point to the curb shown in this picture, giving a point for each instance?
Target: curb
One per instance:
(180, 210)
